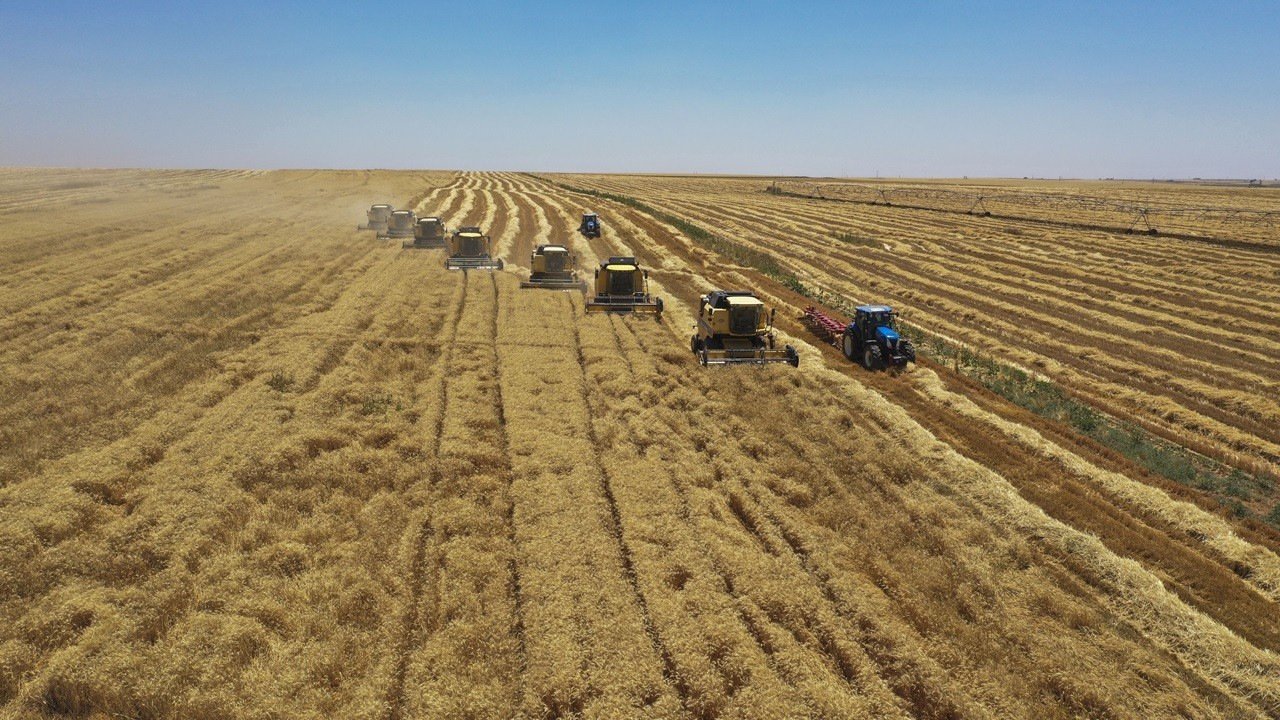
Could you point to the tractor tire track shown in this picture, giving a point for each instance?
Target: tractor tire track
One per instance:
(513, 566)
(616, 529)
(420, 537)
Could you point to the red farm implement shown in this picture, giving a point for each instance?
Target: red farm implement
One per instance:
(823, 325)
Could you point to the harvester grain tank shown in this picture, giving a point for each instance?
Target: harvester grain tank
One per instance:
(590, 225)
(469, 249)
(734, 328)
(400, 224)
(429, 232)
(622, 287)
(872, 339)
(554, 267)
(378, 216)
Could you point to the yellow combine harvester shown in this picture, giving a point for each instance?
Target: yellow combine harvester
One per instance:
(400, 224)
(554, 267)
(429, 233)
(469, 250)
(622, 287)
(378, 216)
(733, 327)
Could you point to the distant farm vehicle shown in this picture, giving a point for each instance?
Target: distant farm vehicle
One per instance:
(590, 225)
(622, 287)
(554, 267)
(872, 339)
(400, 224)
(378, 216)
(469, 249)
(428, 233)
(734, 328)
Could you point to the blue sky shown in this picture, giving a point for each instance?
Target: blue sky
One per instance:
(1079, 89)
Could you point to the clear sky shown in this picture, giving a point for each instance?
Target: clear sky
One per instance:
(1079, 89)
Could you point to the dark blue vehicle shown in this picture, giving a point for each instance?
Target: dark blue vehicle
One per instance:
(872, 339)
(590, 226)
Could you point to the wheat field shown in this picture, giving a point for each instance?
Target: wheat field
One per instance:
(257, 464)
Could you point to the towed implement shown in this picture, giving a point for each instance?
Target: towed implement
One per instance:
(400, 224)
(469, 250)
(554, 267)
(378, 216)
(872, 338)
(429, 232)
(622, 287)
(733, 328)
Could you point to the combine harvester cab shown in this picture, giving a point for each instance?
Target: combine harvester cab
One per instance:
(622, 287)
(429, 233)
(733, 328)
(555, 268)
(872, 339)
(469, 249)
(400, 224)
(378, 217)
(590, 225)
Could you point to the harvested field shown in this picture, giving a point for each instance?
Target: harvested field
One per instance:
(256, 463)
(1180, 335)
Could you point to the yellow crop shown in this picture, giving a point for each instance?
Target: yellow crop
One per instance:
(258, 464)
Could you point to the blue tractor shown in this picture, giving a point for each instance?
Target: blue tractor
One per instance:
(590, 226)
(872, 339)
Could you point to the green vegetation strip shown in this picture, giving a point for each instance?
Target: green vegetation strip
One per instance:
(1230, 487)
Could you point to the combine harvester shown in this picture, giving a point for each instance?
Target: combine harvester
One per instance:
(734, 328)
(378, 217)
(872, 338)
(429, 233)
(590, 225)
(554, 268)
(622, 287)
(469, 250)
(400, 224)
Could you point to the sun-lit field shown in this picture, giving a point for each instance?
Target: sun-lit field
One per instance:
(259, 464)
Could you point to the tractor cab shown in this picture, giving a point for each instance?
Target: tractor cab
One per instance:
(378, 216)
(871, 317)
(401, 224)
(743, 310)
(429, 232)
(734, 327)
(470, 242)
(469, 250)
(622, 287)
(553, 266)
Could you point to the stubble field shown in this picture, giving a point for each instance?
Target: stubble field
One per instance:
(258, 464)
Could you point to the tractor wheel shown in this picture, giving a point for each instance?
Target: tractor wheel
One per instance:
(695, 344)
(871, 357)
(848, 346)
